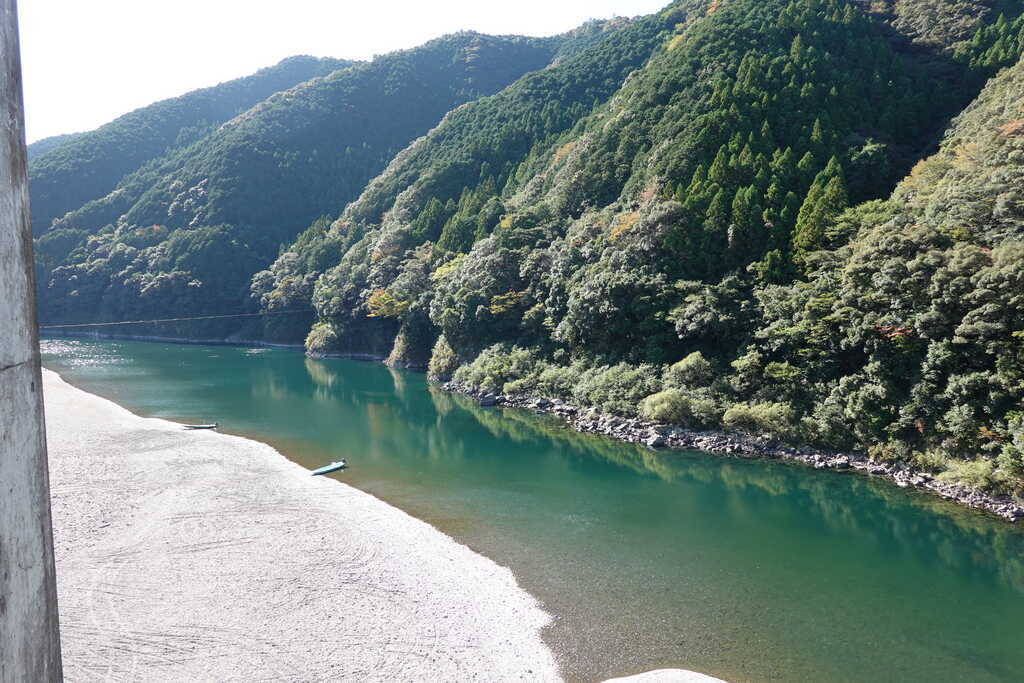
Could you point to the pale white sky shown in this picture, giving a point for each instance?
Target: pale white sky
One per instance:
(86, 62)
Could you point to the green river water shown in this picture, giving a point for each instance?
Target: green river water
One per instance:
(748, 571)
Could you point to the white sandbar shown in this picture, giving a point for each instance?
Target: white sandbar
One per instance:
(192, 555)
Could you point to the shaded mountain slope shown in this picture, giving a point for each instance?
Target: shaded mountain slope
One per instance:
(41, 147)
(187, 231)
(89, 165)
(291, 158)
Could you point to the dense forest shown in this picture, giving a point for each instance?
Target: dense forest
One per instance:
(86, 166)
(41, 147)
(788, 217)
(185, 232)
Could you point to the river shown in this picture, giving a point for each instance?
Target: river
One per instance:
(745, 570)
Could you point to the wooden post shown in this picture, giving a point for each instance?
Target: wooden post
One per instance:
(29, 636)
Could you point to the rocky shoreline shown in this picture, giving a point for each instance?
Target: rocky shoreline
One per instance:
(662, 436)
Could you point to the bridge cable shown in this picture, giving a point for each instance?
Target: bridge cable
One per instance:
(174, 320)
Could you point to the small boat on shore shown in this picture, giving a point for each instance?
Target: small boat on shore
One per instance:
(213, 426)
(333, 467)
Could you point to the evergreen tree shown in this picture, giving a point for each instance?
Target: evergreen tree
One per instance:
(825, 200)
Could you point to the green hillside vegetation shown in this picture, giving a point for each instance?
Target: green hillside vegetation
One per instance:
(909, 338)
(799, 218)
(687, 250)
(41, 147)
(688, 173)
(445, 186)
(89, 165)
(186, 232)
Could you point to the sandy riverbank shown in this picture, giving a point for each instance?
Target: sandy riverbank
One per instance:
(199, 556)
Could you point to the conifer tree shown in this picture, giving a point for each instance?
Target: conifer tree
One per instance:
(719, 171)
(825, 200)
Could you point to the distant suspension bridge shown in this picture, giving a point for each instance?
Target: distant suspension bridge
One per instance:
(175, 320)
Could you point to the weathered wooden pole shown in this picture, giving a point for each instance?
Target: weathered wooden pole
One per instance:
(29, 637)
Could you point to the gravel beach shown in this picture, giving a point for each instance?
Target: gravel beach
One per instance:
(192, 555)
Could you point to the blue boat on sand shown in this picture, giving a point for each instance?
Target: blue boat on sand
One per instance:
(333, 467)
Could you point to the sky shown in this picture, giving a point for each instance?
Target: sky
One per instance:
(86, 62)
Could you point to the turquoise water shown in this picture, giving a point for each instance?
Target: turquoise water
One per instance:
(748, 571)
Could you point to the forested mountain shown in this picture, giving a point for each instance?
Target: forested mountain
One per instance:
(41, 147)
(794, 217)
(186, 232)
(687, 174)
(907, 337)
(86, 166)
(481, 144)
(671, 251)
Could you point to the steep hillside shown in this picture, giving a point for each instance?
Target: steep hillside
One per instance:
(752, 124)
(89, 165)
(686, 251)
(972, 189)
(292, 158)
(187, 231)
(909, 338)
(429, 192)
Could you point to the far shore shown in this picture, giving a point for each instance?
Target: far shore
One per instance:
(217, 341)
